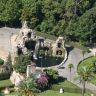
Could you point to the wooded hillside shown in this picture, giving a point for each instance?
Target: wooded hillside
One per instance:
(73, 19)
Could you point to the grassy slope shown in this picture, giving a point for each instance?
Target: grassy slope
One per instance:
(5, 83)
(88, 62)
(65, 84)
(56, 93)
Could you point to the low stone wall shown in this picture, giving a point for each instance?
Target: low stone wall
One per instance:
(65, 58)
(16, 78)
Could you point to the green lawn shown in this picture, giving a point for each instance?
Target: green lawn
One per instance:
(88, 62)
(4, 83)
(55, 91)
(52, 93)
(69, 89)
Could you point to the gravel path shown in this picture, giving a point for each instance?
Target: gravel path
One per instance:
(5, 41)
(5, 35)
(74, 57)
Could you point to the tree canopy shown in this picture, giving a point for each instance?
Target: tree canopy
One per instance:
(74, 19)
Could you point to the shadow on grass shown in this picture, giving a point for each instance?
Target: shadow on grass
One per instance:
(69, 89)
(61, 79)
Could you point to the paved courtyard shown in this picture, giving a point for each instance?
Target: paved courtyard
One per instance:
(74, 57)
(5, 35)
(5, 41)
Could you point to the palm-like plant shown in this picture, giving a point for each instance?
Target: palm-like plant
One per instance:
(70, 66)
(28, 87)
(85, 50)
(85, 74)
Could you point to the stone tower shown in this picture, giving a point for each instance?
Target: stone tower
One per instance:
(58, 47)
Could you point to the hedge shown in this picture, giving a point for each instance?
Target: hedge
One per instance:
(4, 76)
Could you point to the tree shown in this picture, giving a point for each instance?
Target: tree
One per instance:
(70, 66)
(85, 74)
(86, 26)
(10, 11)
(31, 11)
(85, 50)
(21, 63)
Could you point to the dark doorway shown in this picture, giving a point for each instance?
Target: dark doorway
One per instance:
(59, 52)
(30, 44)
(59, 45)
(29, 35)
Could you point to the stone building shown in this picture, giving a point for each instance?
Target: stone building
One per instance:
(27, 42)
(58, 47)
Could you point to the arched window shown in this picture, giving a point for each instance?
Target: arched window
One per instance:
(58, 52)
(59, 45)
(29, 35)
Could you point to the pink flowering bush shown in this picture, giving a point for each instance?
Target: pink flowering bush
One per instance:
(42, 82)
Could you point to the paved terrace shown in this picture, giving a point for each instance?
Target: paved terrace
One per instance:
(5, 40)
(74, 57)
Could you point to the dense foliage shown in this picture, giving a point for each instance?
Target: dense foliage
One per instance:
(85, 75)
(1, 61)
(90, 63)
(52, 75)
(42, 82)
(28, 87)
(21, 63)
(4, 75)
(74, 19)
(9, 63)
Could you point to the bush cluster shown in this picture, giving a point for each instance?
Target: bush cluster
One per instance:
(21, 63)
(52, 76)
(4, 76)
(1, 61)
(42, 82)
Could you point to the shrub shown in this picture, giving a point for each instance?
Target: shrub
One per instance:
(9, 63)
(52, 75)
(1, 94)
(4, 76)
(1, 61)
(28, 87)
(21, 63)
(42, 82)
(51, 37)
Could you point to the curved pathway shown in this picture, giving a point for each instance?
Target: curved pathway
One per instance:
(74, 57)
